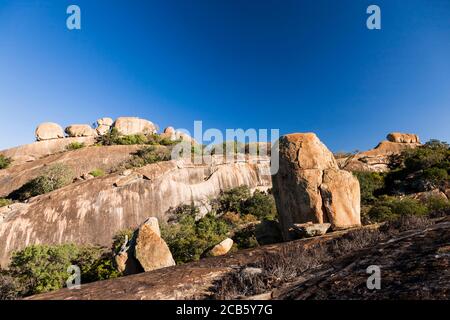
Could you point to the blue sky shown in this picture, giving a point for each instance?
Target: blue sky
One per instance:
(298, 66)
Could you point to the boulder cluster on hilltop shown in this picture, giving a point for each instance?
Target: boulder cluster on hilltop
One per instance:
(123, 125)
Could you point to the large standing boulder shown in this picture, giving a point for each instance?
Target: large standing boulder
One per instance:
(49, 130)
(403, 137)
(150, 249)
(133, 125)
(80, 130)
(310, 187)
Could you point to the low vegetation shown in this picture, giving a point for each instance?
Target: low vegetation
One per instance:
(148, 155)
(75, 146)
(4, 162)
(54, 177)
(5, 202)
(114, 138)
(42, 268)
(236, 213)
(97, 173)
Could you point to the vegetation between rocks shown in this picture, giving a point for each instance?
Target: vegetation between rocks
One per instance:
(54, 177)
(4, 162)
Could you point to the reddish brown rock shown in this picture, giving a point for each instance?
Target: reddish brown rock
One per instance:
(309, 186)
(151, 250)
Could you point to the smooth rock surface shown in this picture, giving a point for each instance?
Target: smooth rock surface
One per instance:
(222, 248)
(49, 130)
(134, 125)
(80, 130)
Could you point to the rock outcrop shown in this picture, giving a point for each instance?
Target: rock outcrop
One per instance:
(49, 130)
(80, 162)
(403, 137)
(134, 125)
(94, 210)
(150, 249)
(40, 149)
(379, 158)
(80, 130)
(309, 186)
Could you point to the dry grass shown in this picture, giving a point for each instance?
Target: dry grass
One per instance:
(293, 260)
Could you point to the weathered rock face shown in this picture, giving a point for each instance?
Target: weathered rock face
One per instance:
(151, 250)
(222, 248)
(377, 159)
(104, 126)
(40, 149)
(81, 162)
(309, 187)
(93, 211)
(49, 130)
(80, 130)
(403, 137)
(133, 125)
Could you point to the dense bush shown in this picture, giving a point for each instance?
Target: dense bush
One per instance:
(43, 268)
(420, 169)
(260, 205)
(74, 146)
(389, 208)
(233, 200)
(114, 138)
(149, 155)
(4, 162)
(189, 239)
(54, 177)
(371, 185)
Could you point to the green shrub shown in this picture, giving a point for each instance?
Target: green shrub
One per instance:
(261, 205)
(189, 239)
(149, 155)
(97, 173)
(4, 162)
(75, 145)
(371, 183)
(5, 202)
(43, 268)
(420, 169)
(132, 139)
(55, 177)
(246, 238)
(389, 208)
(232, 200)
(438, 206)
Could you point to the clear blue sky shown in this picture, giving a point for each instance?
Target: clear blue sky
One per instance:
(294, 65)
